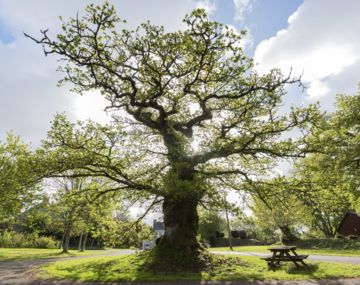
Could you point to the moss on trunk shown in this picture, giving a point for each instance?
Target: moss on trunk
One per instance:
(179, 247)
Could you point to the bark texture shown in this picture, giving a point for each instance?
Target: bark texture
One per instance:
(66, 239)
(181, 222)
(83, 244)
(80, 242)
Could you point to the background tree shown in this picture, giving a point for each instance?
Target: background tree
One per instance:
(328, 182)
(324, 183)
(172, 90)
(210, 222)
(124, 232)
(345, 124)
(17, 184)
(82, 210)
(38, 217)
(276, 207)
(324, 190)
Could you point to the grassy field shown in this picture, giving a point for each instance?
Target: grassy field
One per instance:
(7, 254)
(132, 268)
(319, 251)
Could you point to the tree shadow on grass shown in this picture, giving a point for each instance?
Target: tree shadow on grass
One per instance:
(292, 269)
(36, 256)
(153, 267)
(310, 269)
(100, 271)
(138, 268)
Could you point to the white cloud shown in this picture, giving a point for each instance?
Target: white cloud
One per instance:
(317, 89)
(321, 42)
(241, 8)
(91, 105)
(29, 97)
(208, 5)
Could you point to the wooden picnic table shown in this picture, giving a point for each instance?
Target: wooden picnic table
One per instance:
(285, 253)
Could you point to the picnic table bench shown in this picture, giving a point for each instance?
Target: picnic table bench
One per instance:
(286, 254)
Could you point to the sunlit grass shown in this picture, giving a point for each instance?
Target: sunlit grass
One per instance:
(131, 268)
(255, 248)
(7, 254)
(309, 251)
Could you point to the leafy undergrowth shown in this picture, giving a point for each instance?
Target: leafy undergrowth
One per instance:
(135, 268)
(10, 254)
(330, 243)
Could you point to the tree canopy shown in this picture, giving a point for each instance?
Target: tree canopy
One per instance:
(325, 183)
(191, 114)
(17, 183)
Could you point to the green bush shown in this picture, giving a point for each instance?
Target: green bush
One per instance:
(45, 242)
(25, 240)
(333, 243)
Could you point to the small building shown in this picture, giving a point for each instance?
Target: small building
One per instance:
(241, 234)
(158, 228)
(350, 225)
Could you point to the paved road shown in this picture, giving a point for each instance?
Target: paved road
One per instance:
(323, 258)
(21, 272)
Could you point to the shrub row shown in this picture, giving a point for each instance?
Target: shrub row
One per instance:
(25, 240)
(333, 243)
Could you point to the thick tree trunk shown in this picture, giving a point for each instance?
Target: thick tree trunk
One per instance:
(286, 235)
(61, 242)
(80, 242)
(179, 248)
(181, 224)
(66, 239)
(326, 227)
(83, 245)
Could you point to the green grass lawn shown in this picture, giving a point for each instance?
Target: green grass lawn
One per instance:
(132, 268)
(320, 251)
(37, 253)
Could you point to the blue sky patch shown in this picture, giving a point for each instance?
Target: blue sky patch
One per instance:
(268, 17)
(263, 19)
(5, 36)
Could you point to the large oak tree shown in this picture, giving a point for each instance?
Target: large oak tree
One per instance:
(192, 116)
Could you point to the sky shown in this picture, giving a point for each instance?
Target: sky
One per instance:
(316, 39)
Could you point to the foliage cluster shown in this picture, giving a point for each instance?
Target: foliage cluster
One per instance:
(313, 199)
(170, 91)
(329, 243)
(125, 233)
(17, 182)
(26, 240)
(210, 222)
